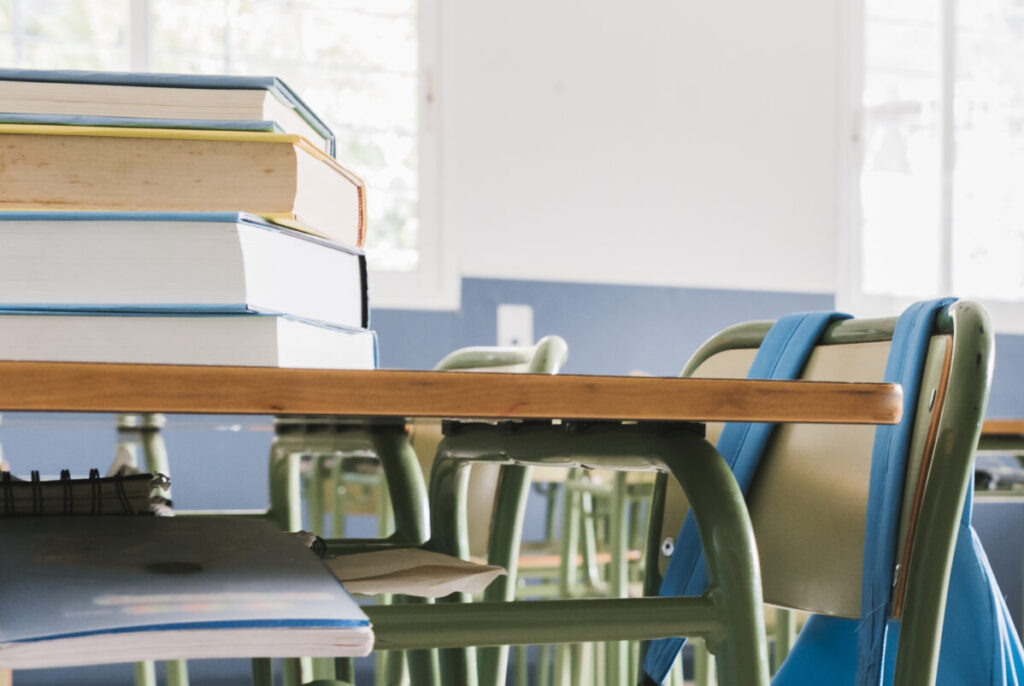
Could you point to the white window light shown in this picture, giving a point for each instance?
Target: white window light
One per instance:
(368, 67)
(932, 197)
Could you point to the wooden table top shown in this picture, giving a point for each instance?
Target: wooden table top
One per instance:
(88, 387)
(1002, 427)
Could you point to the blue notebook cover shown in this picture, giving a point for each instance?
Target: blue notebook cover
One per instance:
(214, 81)
(80, 576)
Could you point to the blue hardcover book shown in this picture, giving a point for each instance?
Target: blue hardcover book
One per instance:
(201, 100)
(208, 262)
(101, 589)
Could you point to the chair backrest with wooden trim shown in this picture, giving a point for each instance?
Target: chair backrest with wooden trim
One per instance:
(809, 497)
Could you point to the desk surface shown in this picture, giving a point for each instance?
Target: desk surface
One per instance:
(1002, 427)
(84, 387)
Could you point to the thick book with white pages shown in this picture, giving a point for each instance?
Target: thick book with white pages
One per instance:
(173, 262)
(278, 176)
(240, 340)
(99, 589)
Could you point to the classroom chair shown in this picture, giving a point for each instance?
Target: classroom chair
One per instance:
(809, 496)
(808, 499)
(328, 456)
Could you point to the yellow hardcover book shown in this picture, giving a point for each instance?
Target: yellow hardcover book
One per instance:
(279, 176)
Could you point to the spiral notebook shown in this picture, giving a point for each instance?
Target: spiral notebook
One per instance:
(122, 494)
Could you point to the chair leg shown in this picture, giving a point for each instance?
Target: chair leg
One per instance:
(296, 670)
(598, 663)
(154, 453)
(677, 674)
(395, 670)
(591, 570)
(404, 479)
(145, 673)
(313, 495)
(703, 665)
(262, 672)
(506, 536)
(568, 572)
(544, 665)
(424, 668)
(176, 672)
(785, 636)
(570, 543)
(549, 514)
(285, 488)
(522, 666)
(449, 534)
(324, 667)
(339, 498)
(617, 652)
(344, 669)
(742, 657)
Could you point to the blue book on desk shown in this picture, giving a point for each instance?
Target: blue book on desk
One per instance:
(175, 262)
(158, 101)
(101, 589)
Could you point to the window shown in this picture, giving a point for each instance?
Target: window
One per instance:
(358, 63)
(937, 201)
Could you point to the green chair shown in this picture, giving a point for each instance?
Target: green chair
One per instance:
(809, 499)
(329, 456)
(807, 503)
(482, 483)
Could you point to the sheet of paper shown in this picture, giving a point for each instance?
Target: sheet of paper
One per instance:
(411, 571)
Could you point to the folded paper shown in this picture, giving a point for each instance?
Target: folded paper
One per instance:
(412, 571)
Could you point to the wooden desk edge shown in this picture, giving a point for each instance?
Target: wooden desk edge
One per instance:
(1002, 427)
(91, 387)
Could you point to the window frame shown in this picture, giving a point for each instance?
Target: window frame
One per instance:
(1007, 315)
(435, 283)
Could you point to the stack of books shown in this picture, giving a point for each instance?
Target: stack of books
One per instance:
(176, 219)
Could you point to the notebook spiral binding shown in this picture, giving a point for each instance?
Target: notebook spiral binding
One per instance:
(96, 483)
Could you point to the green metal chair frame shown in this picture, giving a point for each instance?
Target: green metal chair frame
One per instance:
(949, 467)
(729, 616)
(388, 441)
(678, 447)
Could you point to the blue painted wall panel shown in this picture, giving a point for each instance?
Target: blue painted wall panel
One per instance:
(610, 329)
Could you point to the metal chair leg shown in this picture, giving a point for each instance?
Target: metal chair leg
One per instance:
(509, 513)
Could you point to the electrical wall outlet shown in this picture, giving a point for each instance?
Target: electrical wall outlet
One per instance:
(515, 325)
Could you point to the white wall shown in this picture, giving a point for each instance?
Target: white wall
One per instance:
(668, 142)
